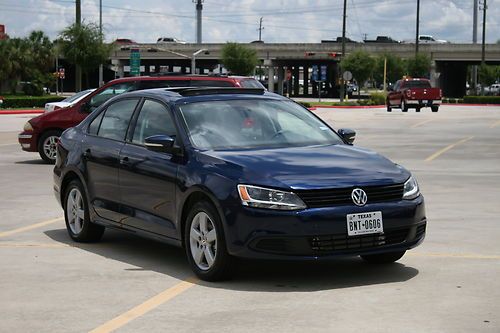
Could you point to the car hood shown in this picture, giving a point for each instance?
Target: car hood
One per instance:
(332, 166)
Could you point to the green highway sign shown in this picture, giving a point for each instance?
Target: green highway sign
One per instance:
(135, 62)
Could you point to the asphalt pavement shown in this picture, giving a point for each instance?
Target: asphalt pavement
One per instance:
(128, 284)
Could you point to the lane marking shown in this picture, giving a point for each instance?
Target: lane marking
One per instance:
(145, 307)
(421, 123)
(30, 227)
(8, 144)
(445, 149)
(455, 255)
(33, 245)
(495, 124)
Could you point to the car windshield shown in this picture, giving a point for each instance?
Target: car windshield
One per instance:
(77, 96)
(254, 123)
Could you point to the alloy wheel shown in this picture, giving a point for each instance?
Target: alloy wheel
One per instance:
(75, 212)
(203, 241)
(50, 146)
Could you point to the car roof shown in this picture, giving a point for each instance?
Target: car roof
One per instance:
(176, 76)
(182, 95)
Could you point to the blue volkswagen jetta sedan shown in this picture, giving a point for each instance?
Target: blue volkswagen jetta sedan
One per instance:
(230, 173)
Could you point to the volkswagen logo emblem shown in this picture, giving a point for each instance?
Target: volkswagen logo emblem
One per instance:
(359, 197)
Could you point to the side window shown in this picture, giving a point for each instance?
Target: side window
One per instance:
(397, 86)
(94, 125)
(111, 91)
(116, 119)
(154, 119)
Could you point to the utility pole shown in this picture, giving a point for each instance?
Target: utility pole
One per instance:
(418, 28)
(101, 74)
(199, 8)
(260, 29)
(474, 41)
(78, 69)
(483, 47)
(342, 84)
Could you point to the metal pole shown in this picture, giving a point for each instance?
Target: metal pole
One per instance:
(78, 69)
(418, 28)
(57, 71)
(483, 48)
(199, 8)
(101, 74)
(342, 84)
(474, 41)
(260, 29)
(385, 74)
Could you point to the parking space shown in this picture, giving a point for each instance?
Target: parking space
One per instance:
(448, 284)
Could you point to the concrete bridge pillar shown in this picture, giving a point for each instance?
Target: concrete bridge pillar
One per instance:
(281, 76)
(270, 80)
(434, 75)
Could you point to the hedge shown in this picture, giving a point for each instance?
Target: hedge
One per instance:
(28, 101)
(482, 99)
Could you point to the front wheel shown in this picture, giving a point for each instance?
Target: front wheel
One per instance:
(435, 108)
(47, 146)
(389, 109)
(383, 258)
(404, 106)
(205, 243)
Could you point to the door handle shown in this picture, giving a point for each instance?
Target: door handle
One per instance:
(87, 153)
(124, 160)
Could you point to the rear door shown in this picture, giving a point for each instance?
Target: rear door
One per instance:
(148, 179)
(101, 156)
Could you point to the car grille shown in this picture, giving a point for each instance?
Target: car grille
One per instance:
(342, 196)
(332, 243)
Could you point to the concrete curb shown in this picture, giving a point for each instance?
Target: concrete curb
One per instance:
(30, 111)
(314, 107)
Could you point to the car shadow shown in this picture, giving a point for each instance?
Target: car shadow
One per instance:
(249, 275)
(37, 161)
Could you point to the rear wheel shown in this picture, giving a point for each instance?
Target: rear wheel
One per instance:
(205, 244)
(47, 146)
(417, 109)
(404, 106)
(435, 108)
(383, 258)
(76, 215)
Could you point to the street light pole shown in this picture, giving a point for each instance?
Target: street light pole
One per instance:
(483, 46)
(101, 74)
(417, 29)
(193, 60)
(342, 84)
(78, 69)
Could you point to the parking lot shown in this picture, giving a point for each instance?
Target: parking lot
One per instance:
(449, 284)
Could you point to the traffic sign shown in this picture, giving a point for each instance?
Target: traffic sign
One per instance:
(314, 76)
(347, 76)
(323, 72)
(135, 62)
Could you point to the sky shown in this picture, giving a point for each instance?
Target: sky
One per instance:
(284, 21)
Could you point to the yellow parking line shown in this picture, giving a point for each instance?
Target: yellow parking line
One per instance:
(35, 245)
(421, 123)
(495, 124)
(30, 227)
(455, 255)
(145, 307)
(445, 149)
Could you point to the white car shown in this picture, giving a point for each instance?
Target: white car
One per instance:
(169, 40)
(49, 107)
(494, 89)
(426, 39)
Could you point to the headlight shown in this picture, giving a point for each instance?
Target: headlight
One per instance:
(28, 127)
(411, 190)
(259, 197)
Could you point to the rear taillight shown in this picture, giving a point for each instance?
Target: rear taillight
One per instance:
(408, 93)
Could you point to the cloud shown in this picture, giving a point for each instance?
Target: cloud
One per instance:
(284, 20)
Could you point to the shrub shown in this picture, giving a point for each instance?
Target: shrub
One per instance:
(29, 101)
(305, 104)
(378, 98)
(482, 99)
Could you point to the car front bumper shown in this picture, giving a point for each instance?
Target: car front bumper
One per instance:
(27, 140)
(321, 233)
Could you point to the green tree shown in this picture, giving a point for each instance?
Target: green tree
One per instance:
(488, 74)
(360, 64)
(239, 59)
(418, 66)
(82, 45)
(395, 68)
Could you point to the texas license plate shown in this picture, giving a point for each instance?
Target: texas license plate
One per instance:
(364, 223)
(424, 101)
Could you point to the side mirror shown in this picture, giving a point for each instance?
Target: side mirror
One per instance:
(161, 144)
(347, 134)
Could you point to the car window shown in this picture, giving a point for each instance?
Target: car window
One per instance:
(397, 85)
(116, 119)
(250, 83)
(154, 119)
(94, 125)
(111, 91)
(417, 84)
(211, 83)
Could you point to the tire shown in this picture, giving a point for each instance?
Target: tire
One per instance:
(417, 109)
(383, 258)
(389, 109)
(76, 215)
(404, 107)
(47, 146)
(202, 243)
(435, 108)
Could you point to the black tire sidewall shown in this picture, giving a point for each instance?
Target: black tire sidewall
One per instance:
(219, 270)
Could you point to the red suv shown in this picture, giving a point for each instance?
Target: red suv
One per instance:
(42, 133)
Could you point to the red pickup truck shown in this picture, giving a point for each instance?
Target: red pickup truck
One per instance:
(414, 93)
